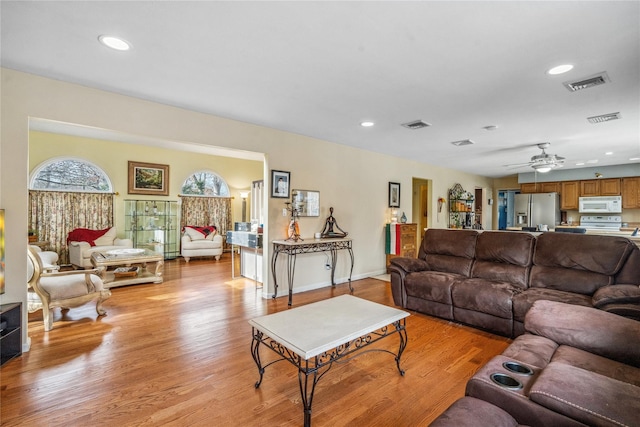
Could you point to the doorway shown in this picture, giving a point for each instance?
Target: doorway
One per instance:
(505, 208)
(421, 189)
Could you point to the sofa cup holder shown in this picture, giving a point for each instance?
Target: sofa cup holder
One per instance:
(517, 368)
(504, 380)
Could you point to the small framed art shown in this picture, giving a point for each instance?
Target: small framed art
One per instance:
(394, 194)
(280, 184)
(148, 178)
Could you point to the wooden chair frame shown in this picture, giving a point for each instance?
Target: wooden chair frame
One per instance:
(48, 304)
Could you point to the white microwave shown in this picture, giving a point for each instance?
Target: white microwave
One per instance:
(601, 204)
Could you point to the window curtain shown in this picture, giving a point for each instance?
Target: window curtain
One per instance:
(203, 211)
(53, 214)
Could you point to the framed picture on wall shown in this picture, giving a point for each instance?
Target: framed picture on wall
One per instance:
(148, 178)
(280, 184)
(394, 194)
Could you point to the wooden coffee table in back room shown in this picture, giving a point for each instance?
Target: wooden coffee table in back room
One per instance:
(128, 258)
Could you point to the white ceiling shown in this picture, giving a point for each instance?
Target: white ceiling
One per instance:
(320, 68)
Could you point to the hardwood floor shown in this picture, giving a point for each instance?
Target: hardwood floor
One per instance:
(178, 354)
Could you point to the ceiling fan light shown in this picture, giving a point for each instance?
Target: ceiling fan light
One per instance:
(542, 168)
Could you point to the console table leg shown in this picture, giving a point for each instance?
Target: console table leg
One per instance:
(274, 258)
(351, 271)
(291, 268)
(334, 260)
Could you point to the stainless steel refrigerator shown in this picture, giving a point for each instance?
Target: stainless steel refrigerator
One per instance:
(532, 210)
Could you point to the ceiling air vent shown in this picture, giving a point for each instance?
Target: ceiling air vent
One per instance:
(463, 142)
(587, 82)
(416, 124)
(604, 118)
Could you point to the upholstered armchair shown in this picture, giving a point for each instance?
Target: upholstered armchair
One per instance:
(201, 242)
(65, 289)
(80, 251)
(49, 258)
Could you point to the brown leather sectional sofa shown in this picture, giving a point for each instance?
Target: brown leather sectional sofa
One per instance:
(490, 279)
(574, 366)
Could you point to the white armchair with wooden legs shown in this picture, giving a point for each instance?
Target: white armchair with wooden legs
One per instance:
(64, 289)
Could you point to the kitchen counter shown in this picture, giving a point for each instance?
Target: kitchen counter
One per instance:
(624, 232)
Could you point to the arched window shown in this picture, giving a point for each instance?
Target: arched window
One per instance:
(205, 183)
(67, 174)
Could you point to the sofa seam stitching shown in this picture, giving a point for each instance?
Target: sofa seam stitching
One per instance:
(577, 406)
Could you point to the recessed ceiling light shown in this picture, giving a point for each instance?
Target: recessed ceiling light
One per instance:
(608, 153)
(367, 124)
(114, 42)
(560, 69)
(580, 164)
(490, 127)
(634, 158)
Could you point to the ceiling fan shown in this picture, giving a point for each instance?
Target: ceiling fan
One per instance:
(543, 162)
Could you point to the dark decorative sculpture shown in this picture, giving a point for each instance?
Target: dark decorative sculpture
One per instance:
(331, 222)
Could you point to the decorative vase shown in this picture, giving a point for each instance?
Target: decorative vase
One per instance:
(403, 218)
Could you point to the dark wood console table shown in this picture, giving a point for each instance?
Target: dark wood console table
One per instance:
(293, 248)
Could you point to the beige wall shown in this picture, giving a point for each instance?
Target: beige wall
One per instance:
(112, 157)
(353, 181)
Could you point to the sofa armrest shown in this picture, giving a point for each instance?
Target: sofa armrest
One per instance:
(218, 238)
(75, 252)
(79, 245)
(623, 300)
(616, 294)
(589, 329)
(399, 267)
(408, 265)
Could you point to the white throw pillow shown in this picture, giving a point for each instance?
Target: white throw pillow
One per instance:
(107, 238)
(193, 233)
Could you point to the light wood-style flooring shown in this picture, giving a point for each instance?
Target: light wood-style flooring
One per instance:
(178, 354)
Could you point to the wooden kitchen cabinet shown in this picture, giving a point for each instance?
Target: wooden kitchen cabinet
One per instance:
(590, 188)
(408, 236)
(529, 187)
(569, 195)
(600, 187)
(631, 193)
(610, 187)
(540, 187)
(549, 187)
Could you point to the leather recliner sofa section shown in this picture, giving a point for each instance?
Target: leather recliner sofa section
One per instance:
(573, 366)
(490, 279)
(584, 369)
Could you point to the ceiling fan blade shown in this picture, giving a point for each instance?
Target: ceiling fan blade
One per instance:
(518, 165)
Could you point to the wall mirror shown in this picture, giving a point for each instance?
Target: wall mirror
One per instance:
(306, 202)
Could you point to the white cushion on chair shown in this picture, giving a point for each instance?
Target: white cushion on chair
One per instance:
(64, 287)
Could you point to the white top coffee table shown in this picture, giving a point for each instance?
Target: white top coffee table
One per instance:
(127, 257)
(314, 336)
